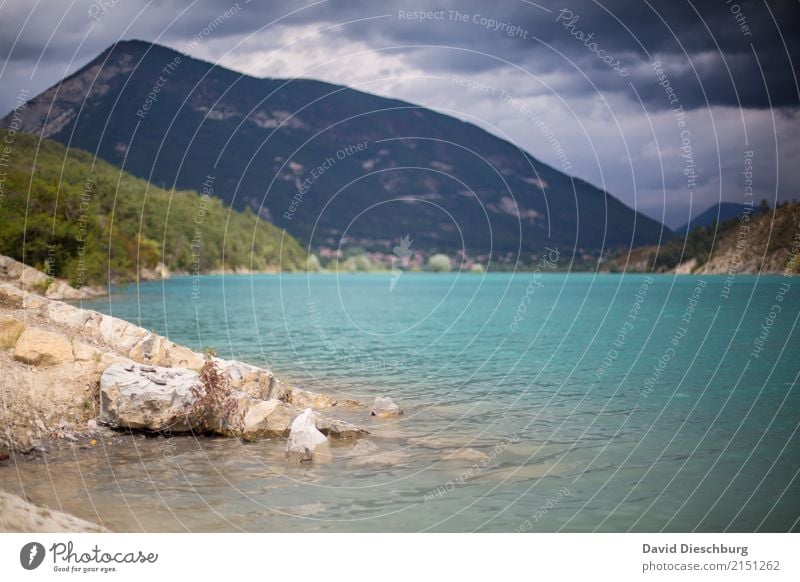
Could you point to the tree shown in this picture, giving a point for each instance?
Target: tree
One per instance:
(439, 263)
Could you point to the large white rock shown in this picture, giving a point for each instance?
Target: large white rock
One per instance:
(146, 397)
(306, 443)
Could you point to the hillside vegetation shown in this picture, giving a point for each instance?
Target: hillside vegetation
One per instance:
(89, 222)
(765, 240)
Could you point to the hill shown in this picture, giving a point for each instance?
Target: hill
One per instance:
(720, 212)
(87, 221)
(763, 240)
(326, 162)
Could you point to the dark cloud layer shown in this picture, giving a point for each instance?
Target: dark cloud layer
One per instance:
(731, 64)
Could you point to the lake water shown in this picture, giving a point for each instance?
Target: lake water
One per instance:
(599, 402)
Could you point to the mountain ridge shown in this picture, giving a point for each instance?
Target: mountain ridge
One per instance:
(719, 212)
(441, 179)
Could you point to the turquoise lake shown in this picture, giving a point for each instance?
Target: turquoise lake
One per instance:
(547, 402)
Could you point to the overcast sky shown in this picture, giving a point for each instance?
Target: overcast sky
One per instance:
(589, 69)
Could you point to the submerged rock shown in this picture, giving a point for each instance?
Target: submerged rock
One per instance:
(306, 399)
(465, 454)
(384, 407)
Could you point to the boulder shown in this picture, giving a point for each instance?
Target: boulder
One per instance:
(257, 382)
(262, 419)
(183, 356)
(146, 397)
(10, 268)
(31, 277)
(11, 296)
(151, 348)
(61, 290)
(72, 318)
(84, 352)
(10, 330)
(43, 348)
(384, 407)
(120, 335)
(306, 444)
(338, 428)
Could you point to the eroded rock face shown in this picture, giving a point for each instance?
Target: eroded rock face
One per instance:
(38, 347)
(146, 397)
(384, 407)
(54, 355)
(256, 382)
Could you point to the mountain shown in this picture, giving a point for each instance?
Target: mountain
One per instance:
(720, 212)
(326, 162)
(762, 240)
(85, 220)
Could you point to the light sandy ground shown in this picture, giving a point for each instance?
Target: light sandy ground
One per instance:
(17, 515)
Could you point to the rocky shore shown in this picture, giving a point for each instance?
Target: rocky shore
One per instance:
(69, 373)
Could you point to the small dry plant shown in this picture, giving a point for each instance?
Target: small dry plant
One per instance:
(214, 404)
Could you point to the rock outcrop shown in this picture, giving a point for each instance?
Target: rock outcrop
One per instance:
(30, 279)
(159, 399)
(63, 366)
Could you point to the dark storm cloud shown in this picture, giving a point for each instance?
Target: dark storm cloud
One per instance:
(717, 51)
